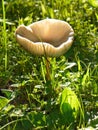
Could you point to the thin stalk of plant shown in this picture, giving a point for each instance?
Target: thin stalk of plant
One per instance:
(48, 77)
(4, 33)
(46, 70)
(11, 123)
(43, 70)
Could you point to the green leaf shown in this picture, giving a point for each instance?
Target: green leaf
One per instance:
(3, 102)
(69, 104)
(8, 108)
(37, 119)
(7, 92)
(94, 3)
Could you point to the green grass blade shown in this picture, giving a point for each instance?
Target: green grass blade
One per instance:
(4, 33)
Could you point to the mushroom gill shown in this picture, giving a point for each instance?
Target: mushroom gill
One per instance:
(50, 37)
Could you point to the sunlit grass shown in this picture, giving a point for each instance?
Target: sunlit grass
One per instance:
(4, 33)
(30, 104)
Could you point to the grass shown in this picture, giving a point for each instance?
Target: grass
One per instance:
(4, 34)
(26, 99)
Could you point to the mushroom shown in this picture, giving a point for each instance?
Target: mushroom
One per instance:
(49, 37)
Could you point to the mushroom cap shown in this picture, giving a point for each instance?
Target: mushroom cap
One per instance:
(50, 37)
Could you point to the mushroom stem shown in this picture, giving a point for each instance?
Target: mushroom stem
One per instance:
(48, 77)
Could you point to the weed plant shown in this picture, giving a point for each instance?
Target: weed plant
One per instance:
(70, 99)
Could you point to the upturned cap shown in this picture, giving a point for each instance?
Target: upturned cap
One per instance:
(49, 37)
